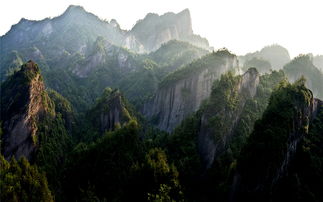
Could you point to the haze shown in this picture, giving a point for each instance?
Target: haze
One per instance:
(241, 26)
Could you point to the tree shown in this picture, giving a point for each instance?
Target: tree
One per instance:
(21, 181)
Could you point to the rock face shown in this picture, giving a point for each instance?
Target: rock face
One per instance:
(111, 111)
(267, 160)
(318, 62)
(24, 102)
(154, 30)
(76, 29)
(176, 99)
(212, 141)
(105, 55)
(62, 33)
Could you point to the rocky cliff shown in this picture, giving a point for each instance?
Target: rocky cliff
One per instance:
(267, 163)
(104, 55)
(23, 102)
(183, 91)
(318, 62)
(220, 117)
(154, 30)
(111, 111)
(61, 34)
(76, 29)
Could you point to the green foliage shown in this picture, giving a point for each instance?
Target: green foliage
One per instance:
(308, 165)
(104, 165)
(15, 90)
(182, 147)
(140, 85)
(54, 143)
(175, 54)
(254, 108)
(103, 116)
(160, 179)
(182, 150)
(211, 60)
(223, 101)
(64, 108)
(225, 92)
(21, 181)
(267, 146)
(10, 64)
(305, 179)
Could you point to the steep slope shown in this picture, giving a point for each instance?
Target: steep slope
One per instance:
(81, 79)
(31, 125)
(78, 52)
(13, 61)
(151, 32)
(318, 62)
(106, 56)
(76, 30)
(266, 165)
(208, 143)
(72, 32)
(222, 114)
(182, 92)
(277, 55)
(64, 108)
(35, 126)
(24, 101)
(303, 66)
(111, 111)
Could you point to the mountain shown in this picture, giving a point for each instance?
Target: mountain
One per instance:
(228, 115)
(222, 113)
(78, 51)
(303, 66)
(24, 102)
(151, 32)
(207, 144)
(31, 121)
(68, 33)
(34, 126)
(272, 163)
(276, 55)
(103, 54)
(111, 111)
(76, 30)
(152, 114)
(182, 92)
(318, 62)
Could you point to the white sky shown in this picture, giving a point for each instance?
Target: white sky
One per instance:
(240, 25)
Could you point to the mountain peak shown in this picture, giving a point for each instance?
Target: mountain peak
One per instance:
(25, 91)
(111, 111)
(75, 10)
(185, 12)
